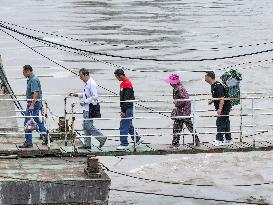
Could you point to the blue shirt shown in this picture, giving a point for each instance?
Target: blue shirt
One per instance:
(33, 85)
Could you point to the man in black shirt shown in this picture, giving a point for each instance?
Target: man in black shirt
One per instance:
(222, 107)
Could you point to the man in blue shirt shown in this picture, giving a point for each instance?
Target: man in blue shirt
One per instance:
(34, 105)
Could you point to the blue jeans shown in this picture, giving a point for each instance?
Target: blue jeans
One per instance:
(40, 123)
(89, 129)
(126, 127)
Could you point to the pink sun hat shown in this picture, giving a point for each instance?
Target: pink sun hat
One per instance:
(173, 79)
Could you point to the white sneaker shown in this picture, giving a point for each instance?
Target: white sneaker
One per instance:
(228, 142)
(120, 147)
(218, 143)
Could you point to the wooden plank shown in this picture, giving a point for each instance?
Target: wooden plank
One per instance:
(8, 148)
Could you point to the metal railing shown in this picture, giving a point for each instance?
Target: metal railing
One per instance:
(193, 116)
(71, 117)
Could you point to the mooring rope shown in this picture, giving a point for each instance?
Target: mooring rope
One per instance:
(138, 58)
(77, 39)
(179, 182)
(51, 44)
(126, 46)
(129, 191)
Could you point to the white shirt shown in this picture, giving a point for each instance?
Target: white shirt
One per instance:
(89, 94)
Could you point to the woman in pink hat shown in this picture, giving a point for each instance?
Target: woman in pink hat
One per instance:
(182, 109)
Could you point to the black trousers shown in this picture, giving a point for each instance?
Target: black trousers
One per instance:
(223, 125)
(178, 127)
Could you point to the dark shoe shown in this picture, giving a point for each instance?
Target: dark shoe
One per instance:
(45, 142)
(102, 141)
(26, 145)
(84, 147)
(197, 141)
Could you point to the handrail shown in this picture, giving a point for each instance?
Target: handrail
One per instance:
(184, 100)
(152, 95)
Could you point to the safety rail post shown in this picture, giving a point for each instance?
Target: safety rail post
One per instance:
(73, 131)
(193, 122)
(183, 130)
(134, 119)
(65, 124)
(241, 121)
(45, 116)
(253, 122)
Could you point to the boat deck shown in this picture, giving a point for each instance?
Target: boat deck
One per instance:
(9, 146)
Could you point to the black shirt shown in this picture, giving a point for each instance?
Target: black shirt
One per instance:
(218, 91)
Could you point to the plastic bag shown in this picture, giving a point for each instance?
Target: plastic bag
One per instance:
(30, 125)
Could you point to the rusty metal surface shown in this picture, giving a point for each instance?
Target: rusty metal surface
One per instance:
(42, 169)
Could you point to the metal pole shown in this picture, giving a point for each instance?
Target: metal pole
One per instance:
(241, 122)
(193, 122)
(183, 135)
(45, 120)
(134, 112)
(65, 124)
(73, 127)
(253, 122)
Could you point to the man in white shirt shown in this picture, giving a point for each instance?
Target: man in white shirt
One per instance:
(89, 95)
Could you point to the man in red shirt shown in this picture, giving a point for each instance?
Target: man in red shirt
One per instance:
(126, 125)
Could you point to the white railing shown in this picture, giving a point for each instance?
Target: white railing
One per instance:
(247, 111)
(194, 117)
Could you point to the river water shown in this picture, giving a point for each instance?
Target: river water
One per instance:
(163, 30)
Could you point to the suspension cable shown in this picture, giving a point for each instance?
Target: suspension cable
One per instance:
(126, 46)
(139, 58)
(77, 39)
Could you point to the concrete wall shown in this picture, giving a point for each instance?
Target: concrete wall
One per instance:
(58, 192)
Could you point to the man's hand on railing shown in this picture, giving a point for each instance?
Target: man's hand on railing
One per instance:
(72, 94)
(82, 103)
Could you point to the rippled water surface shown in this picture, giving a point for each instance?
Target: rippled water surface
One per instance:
(158, 29)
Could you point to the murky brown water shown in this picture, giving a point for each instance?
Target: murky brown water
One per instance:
(178, 30)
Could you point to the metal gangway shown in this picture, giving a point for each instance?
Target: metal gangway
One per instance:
(251, 126)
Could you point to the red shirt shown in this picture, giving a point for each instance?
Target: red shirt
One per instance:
(126, 84)
(126, 93)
